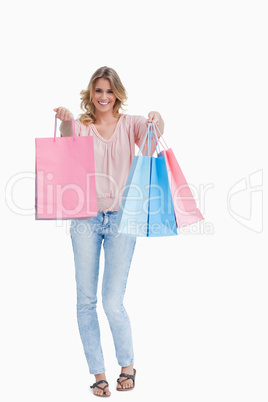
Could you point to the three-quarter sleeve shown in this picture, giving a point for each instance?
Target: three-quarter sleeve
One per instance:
(66, 129)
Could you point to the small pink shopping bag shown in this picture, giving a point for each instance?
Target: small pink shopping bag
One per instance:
(65, 177)
(185, 208)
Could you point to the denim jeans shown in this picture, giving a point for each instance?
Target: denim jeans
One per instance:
(87, 237)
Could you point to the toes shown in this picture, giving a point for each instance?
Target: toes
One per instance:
(125, 385)
(100, 392)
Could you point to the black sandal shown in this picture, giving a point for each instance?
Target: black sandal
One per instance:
(96, 384)
(128, 377)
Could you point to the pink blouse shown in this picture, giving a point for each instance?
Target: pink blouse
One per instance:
(113, 157)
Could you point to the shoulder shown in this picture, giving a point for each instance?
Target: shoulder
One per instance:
(133, 120)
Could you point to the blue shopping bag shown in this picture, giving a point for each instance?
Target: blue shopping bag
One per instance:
(146, 207)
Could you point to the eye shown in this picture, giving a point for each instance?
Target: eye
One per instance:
(110, 91)
(98, 90)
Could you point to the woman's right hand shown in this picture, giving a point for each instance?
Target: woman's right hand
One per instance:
(63, 114)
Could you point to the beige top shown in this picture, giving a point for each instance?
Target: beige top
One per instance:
(113, 157)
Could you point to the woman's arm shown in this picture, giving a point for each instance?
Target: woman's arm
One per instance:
(65, 116)
(156, 118)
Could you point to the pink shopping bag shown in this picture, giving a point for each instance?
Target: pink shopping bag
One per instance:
(185, 208)
(65, 177)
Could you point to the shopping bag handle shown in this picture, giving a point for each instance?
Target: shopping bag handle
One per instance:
(55, 129)
(155, 139)
(143, 142)
(160, 139)
(149, 141)
(149, 135)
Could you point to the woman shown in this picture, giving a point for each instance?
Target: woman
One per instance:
(115, 136)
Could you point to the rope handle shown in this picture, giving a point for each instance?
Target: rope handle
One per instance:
(162, 138)
(144, 140)
(149, 142)
(151, 134)
(155, 139)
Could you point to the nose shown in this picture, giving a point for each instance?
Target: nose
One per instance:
(103, 96)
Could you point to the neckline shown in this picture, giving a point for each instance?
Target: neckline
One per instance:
(112, 136)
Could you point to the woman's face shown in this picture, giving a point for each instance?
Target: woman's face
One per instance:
(103, 96)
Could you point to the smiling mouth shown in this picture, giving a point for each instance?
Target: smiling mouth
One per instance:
(103, 104)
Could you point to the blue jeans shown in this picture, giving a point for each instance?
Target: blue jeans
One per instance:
(87, 237)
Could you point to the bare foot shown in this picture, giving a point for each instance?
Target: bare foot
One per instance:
(127, 383)
(98, 391)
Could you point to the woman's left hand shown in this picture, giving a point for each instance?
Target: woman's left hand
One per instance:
(156, 118)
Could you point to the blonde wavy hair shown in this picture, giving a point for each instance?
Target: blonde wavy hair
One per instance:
(119, 91)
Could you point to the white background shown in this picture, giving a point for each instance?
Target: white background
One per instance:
(197, 301)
